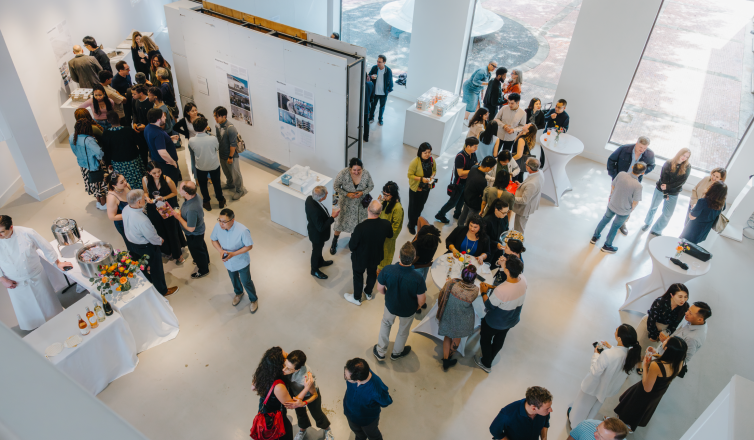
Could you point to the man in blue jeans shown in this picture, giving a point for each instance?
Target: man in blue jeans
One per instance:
(382, 77)
(462, 165)
(233, 241)
(625, 194)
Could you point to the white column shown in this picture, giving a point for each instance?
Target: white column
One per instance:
(22, 134)
(439, 41)
(740, 192)
(605, 49)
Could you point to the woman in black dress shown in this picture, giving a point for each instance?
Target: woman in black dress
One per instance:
(638, 403)
(269, 374)
(167, 228)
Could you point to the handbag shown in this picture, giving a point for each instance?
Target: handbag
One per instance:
(721, 223)
(696, 251)
(268, 426)
(97, 175)
(452, 187)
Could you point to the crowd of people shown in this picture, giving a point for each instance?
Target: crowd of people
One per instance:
(126, 147)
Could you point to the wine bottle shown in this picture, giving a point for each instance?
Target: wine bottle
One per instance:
(99, 312)
(83, 326)
(106, 306)
(91, 318)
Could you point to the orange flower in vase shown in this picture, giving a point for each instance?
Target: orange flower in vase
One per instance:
(123, 280)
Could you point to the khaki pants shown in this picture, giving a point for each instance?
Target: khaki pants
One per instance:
(232, 174)
(404, 327)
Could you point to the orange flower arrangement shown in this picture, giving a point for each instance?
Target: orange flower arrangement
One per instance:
(116, 276)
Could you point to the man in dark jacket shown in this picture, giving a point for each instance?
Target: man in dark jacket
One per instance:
(556, 118)
(368, 97)
(475, 185)
(84, 69)
(367, 250)
(624, 158)
(318, 228)
(95, 51)
(493, 97)
(383, 84)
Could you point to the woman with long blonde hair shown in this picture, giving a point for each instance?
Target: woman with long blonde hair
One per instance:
(139, 53)
(674, 174)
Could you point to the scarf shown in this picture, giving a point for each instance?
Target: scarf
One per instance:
(461, 290)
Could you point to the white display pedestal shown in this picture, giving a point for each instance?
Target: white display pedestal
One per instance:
(557, 157)
(68, 109)
(641, 293)
(287, 204)
(423, 126)
(728, 417)
(124, 56)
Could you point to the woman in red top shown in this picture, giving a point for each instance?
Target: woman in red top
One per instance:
(514, 84)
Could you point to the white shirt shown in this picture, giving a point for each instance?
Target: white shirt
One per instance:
(606, 373)
(379, 87)
(516, 119)
(138, 228)
(694, 335)
(19, 259)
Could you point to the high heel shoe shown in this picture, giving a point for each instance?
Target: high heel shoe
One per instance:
(447, 363)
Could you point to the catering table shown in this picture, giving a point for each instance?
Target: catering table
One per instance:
(144, 309)
(641, 293)
(439, 131)
(287, 204)
(105, 354)
(439, 271)
(557, 156)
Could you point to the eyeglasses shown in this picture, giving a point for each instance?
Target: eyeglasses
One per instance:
(224, 222)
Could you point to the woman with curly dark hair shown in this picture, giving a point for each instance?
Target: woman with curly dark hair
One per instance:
(269, 375)
(392, 211)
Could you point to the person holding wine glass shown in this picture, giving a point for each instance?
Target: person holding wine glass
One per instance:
(164, 198)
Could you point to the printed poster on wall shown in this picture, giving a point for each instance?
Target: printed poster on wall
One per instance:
(62, 46)
(235, 79)
(295, 107)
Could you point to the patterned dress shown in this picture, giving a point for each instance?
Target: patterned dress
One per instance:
(458, 317)
(351, 211)
(396, 221)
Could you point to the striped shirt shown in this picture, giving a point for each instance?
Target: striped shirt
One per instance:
(504, 305)
(585, 430)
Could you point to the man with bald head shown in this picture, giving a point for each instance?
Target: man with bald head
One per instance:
(191, 218)
(84, 69)
(367, 244)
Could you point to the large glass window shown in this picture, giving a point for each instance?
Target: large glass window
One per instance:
(693, 86)
(382, 27)
(534, 37)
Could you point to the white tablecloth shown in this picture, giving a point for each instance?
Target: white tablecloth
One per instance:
(439, 272)
(557, 156)
(146, 311)
(105, 354)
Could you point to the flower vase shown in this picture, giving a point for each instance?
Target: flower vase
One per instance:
(557, 137)
(678, 254)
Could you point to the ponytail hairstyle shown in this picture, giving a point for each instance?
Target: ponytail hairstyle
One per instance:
(81, 127)
(629, 339)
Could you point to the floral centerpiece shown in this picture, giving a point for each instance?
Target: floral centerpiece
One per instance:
(117, 276)
(558, 131)
(682, 246)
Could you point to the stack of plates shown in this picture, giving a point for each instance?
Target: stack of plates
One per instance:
(73, 341)
(54, 349)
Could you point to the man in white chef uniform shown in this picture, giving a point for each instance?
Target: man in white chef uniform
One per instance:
(21, 272)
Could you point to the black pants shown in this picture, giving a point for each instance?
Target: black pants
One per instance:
(201, 178)
(358, 279)
(541, 158)
(382, 99)
(454, 201)
(366, 125)
(198, 250)
(493, 112)
(370, 431)
(141, 141)
(172, 172)
(315, 407)
(316, 259)
(416, 202)
(507, 146)
(492, 341)
(156, 273)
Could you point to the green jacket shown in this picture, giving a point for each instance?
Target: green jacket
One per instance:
(415, 169)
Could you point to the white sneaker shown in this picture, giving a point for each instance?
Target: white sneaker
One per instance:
(101, 207)
(300, 435)
(370, 296)
(329, 435)
(349, 297)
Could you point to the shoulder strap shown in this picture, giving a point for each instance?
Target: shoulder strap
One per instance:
(454, 167)
(274, 384)
(662, 369)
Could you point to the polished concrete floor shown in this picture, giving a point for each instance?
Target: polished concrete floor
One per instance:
(197, 386)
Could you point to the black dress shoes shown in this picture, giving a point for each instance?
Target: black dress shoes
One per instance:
(325, 263)
(319, 274)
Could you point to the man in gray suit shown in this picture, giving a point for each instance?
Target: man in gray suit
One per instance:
(84, 68)
(528, 194)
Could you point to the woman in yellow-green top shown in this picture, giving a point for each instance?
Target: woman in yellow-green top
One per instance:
(421, 171)
(392, 211)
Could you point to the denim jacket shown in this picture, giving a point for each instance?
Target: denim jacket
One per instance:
(87, 150)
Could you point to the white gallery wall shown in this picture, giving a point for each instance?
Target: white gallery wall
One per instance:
(268, 60)
(10, 179)
(309, 15)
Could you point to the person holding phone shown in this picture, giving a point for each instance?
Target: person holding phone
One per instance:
(233, 241)
(421, 180)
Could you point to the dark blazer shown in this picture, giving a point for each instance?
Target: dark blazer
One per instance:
(538, 118)
(180, 127)
(673, 181)
(494, 227)
(318, 221)
(493, 97)
(620, 160)
(475, 185)
(368, 96)
(102, 59)
(387, 77)
(368, 241)
(459, 234)
(562, 119)
(138, 65)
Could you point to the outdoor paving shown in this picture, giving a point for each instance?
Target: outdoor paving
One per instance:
(692, 88)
